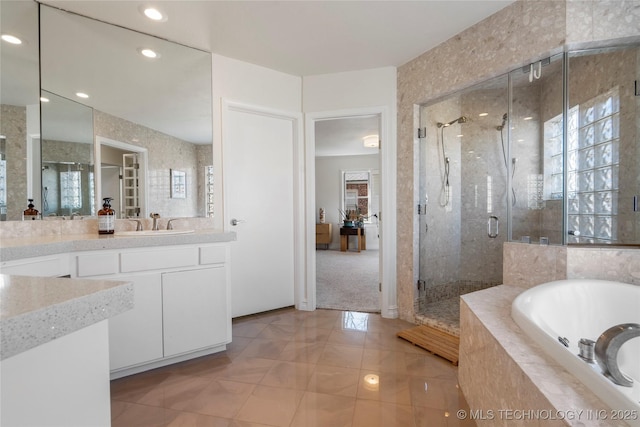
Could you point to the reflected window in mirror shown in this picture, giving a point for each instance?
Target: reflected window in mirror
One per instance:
(209, 197)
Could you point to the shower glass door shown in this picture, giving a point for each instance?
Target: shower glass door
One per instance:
(464, 177)
(537, 156)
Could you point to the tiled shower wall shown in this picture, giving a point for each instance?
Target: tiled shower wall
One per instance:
(519, 34)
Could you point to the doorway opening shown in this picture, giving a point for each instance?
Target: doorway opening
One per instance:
(121, 175)
(347, 206)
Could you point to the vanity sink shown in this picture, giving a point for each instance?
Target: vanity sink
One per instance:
(151, 233)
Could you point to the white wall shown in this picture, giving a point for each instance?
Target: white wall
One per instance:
(336, 95)
(328, 185)
(250, 84)
(353, 89)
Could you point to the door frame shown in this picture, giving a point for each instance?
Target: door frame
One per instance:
(295, 119)
(388, 154)
(143, 155)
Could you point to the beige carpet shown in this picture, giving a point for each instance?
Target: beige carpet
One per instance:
(348, 280)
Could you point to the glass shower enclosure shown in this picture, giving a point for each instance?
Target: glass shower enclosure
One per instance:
(546, 154)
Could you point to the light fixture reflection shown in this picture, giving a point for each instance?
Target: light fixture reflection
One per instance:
(11, 39)
(371, 382)
(371, 141)
(483, 114)
(148, 53)
(82, 95)
(43, 99)
(528, 118)
(153, 14)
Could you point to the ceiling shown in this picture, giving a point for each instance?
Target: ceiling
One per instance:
(301, 37)
(344, 137)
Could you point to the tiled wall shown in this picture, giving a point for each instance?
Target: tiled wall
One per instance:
(165, 153)
(517, 35)
(57, 226)
(13, 125)
(528, 265)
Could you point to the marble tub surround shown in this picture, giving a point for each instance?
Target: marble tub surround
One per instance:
(528, 265)
(502, 370)
(42, 245)
(35, 310)
(89, 225)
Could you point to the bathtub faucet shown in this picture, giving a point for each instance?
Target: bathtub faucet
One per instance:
(607, 348)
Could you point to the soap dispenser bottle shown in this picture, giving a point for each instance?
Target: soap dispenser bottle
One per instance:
(30, 213)
(106, 217)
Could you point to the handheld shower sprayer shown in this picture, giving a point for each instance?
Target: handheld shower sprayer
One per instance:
(504, 122)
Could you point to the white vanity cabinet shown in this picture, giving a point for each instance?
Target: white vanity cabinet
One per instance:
(192, 318)
(135, 336)
(44, 266)
(182, 307)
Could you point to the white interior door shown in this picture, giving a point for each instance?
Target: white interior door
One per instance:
(259, 198)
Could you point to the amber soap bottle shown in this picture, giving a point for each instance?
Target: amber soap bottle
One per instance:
(30, 213)
(106, 217)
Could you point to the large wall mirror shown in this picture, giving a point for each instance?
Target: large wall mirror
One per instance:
(135, 106)
(19, 114)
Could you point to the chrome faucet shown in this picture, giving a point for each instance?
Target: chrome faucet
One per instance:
(139, 223)
(607, 348)
(155, 217)
(169, 224)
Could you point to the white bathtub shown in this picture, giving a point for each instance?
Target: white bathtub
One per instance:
(578, 309)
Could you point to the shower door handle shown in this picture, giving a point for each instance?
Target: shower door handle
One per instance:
(493, 220)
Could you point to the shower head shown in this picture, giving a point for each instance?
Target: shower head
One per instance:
(461, 119)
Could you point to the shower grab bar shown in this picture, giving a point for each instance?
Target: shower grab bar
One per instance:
(493, 219)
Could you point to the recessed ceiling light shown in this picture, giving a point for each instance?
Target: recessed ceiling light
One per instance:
(528, 118)
(82, 95)
(149, 53)
(483, 114)
(11, 39)
(43, 99)
(153, 14)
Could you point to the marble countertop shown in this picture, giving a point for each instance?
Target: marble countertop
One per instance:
(36, 310)
(33, 246)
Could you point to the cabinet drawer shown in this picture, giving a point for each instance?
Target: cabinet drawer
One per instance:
(53, 266)
(158, 259)
(97, 264)
(213, 255)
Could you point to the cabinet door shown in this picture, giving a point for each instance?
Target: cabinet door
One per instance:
(135, 336)
(195, 310)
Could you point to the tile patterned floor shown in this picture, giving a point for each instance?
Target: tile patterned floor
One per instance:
(291, 368)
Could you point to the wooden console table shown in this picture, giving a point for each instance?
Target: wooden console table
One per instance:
(345, 232)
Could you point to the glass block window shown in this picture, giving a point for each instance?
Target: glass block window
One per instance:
(92, 193)
(70, 190)
(535, 188)
(208, 179)
(592, 166)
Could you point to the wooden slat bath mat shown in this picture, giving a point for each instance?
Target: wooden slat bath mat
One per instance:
(434, 341)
